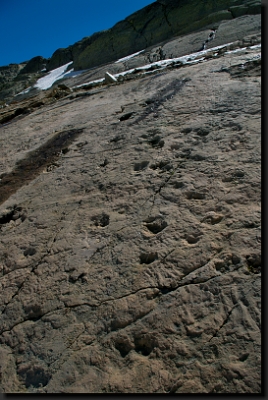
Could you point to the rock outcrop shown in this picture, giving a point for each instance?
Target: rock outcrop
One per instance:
(36, 64)
(15, 78)
(7, 76)
(130, 227)
(109, 78)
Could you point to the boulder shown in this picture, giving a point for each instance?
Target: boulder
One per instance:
(109, 78)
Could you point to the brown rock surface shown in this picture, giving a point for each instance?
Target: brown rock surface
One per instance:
(130, 236)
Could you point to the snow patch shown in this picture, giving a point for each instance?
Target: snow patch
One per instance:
(24, 91)
(241, 49)
(193, 58)
(72, 74)
(89, 83)
(128, 57)
(47, 81)
(188, 59)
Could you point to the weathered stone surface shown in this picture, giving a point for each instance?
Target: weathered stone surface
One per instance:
(130, 230)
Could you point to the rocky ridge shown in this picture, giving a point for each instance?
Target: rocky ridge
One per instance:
(241, 32)
(155, 23)
(130, 227)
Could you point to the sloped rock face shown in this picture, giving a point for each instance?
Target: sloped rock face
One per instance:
(130, 236)
(7, 75)
(155, 23)
(16, 77)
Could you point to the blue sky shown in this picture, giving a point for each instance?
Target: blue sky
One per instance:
(30, 28)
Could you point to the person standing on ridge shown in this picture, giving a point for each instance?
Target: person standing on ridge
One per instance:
(211, 36)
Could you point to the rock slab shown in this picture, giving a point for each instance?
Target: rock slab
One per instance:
(130, 235)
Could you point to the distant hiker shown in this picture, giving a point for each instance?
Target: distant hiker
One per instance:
(211, 36)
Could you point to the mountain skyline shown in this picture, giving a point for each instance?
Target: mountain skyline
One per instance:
(34, 29)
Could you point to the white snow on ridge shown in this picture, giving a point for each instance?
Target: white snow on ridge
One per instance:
(128, 57)
(24, 91)
(71, 73)
(189, 59)
(241, 49)
(47, 81)
(88, 83)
